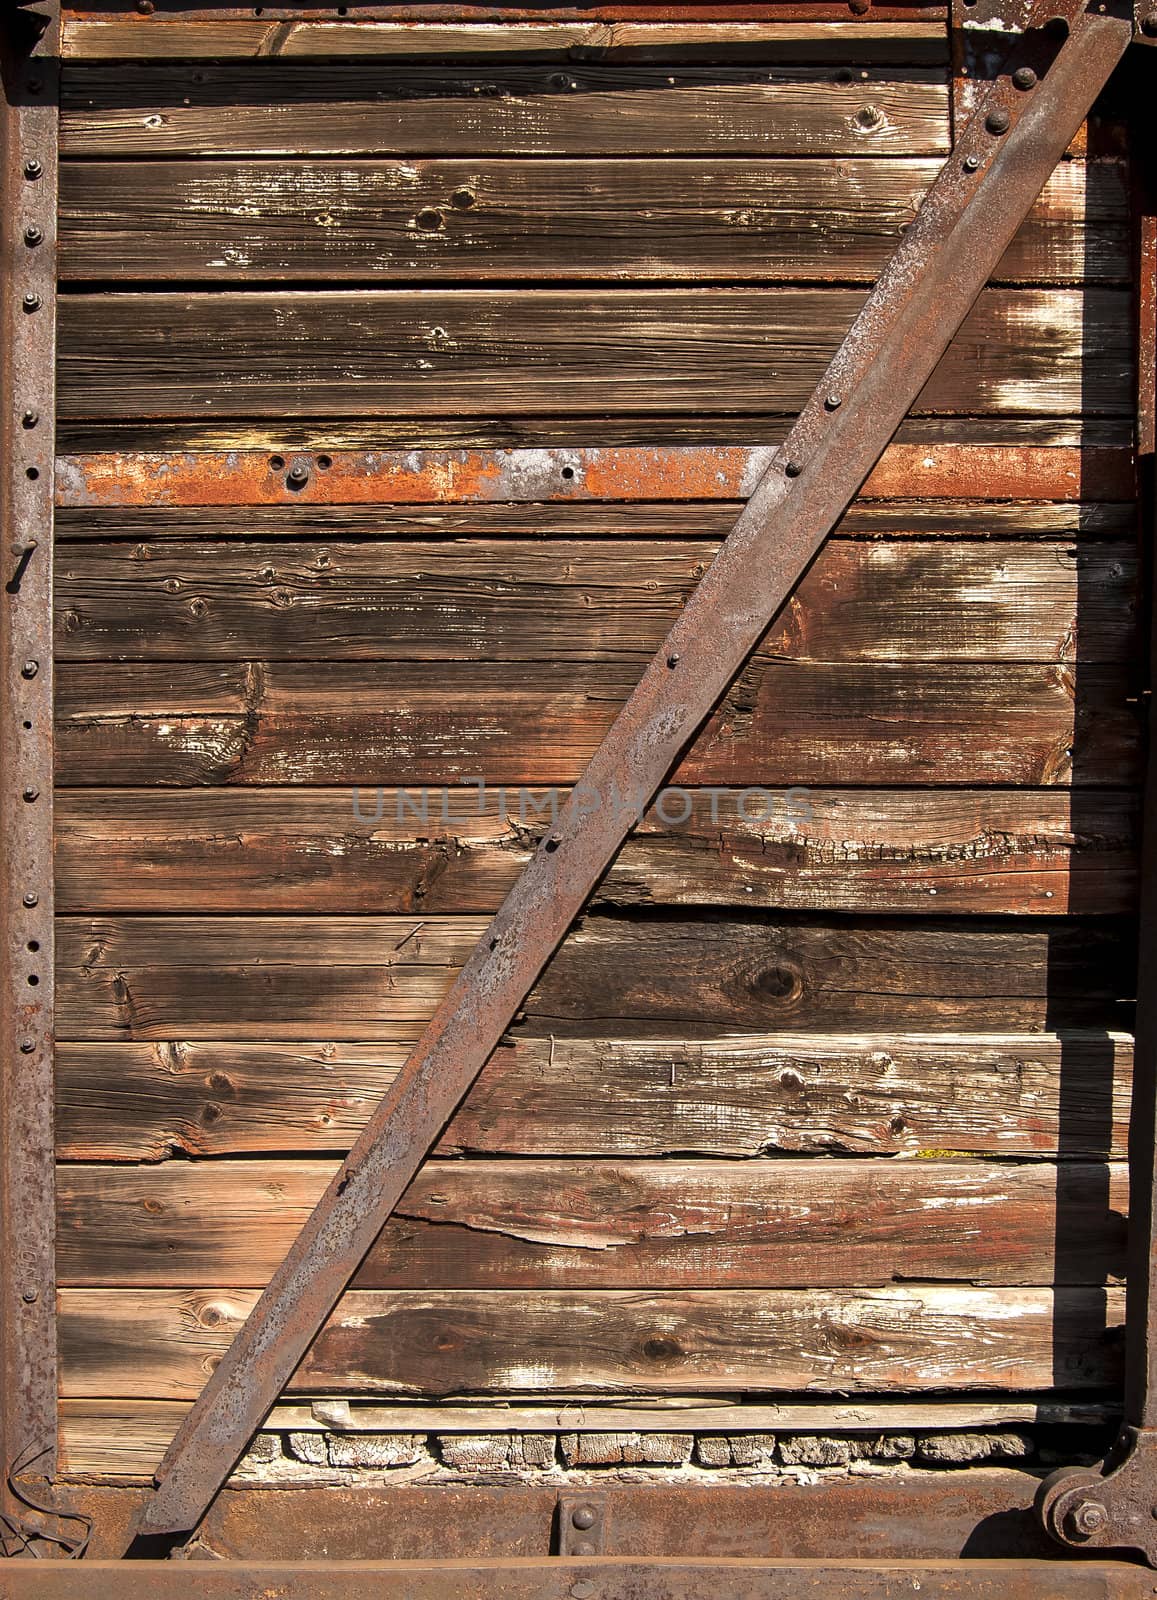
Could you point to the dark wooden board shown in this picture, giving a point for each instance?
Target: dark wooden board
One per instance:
(288, 850)
(362, 978)
(433, 352)
(161, 1342)
(958, 520)
(610, 1225)
(734, 220)
(477, 600)
(407, 723)
(1022, 1095)
(496, 108)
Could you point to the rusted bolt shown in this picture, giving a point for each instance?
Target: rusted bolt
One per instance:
(31, 301)
(833, 402)
(1086, 1519)
(297, 476)
(429, 219)
(31, 794)
(972, 163)
(27, 1046)
(31, 899)
(30, 419)
(673, 659)
(30, 1296)
(30, 669)
(1024, 78)
(146, 7)
(792, 469)
(583, 1517)
(33, 234)
(33, 168)
(998, 120)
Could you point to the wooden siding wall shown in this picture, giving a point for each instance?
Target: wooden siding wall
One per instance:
(828, 1100)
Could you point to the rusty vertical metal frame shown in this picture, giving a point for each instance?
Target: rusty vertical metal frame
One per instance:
(29, 55)
(998, 167)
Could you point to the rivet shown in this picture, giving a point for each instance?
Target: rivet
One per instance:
(972, 163)
(30, 669)
(30, 419)
(27, 1046)
(998, 120)
(463, 199)
(430, 220)
(30, 1296)
(833, 402)
(673, 659)
(583, 1517)
(1024, 78)
(33, 235)
(146, 7)
(31, 794)
(792, 469)
(31, 899)
(31, 301)
(32, 168)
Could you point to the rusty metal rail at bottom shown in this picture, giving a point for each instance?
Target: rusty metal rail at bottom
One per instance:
(608, 1578)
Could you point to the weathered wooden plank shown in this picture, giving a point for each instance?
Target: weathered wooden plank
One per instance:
(1024, 1095)
(126, 1438)
(650, 42)
(782, 723)
(892, 519)
(495, 108)
(478, 600)
(610, 1225)
(982, 851)
(439, 353)
(741, 220)
(363, 978)
(128, 1342)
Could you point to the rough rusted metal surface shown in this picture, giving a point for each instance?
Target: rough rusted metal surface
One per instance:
(578, 1578)
(28, 49)
(437, 477)
(966, 222)
(1115, 1506)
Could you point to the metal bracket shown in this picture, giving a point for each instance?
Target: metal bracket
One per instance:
(582, 1524)
(1114, 1509)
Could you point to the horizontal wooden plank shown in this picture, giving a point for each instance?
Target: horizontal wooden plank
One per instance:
(120, 38)
(609, 1225)
(477, 600)
(672, 474)
(406, 723)
(161, 1342)
(1024, 1095)
(958, 520)
(127, 1438)
(363, 978)
(741, 220)
(501, 352)
(543, 107)
(982, 851)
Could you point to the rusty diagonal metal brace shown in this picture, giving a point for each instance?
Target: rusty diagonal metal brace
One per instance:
(1000, 164)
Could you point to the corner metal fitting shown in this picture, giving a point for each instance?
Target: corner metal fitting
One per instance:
(582, 1524)
(1114, 1508)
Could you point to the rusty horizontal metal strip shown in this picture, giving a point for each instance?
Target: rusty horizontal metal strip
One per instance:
(692, 472)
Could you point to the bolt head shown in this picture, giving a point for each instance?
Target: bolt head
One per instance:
(1149, 25)
(583, 1517)
(1024, 78)
(30, 419)
(298, 474)
(31, 794)
(859, 8)
(998, 120)
(33, 168)
(30, 669)
(31, 900)
(27, 1046)
(31, 301)
(30, 1296)
(146, 7)
(33, 235)
(673, 659)
(833, 402)
(792, 469)
(972, 163)
(1085, 1519)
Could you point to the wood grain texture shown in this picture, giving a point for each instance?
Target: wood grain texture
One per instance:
(307, 850)
(406, 723)
(368, 978)
(736, 220)
(495, 108)
(445, 43)
(482, 600)
(439, 353)
(116, 1343)
(1023, 1095)
(609, 1225)
(958, 520)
